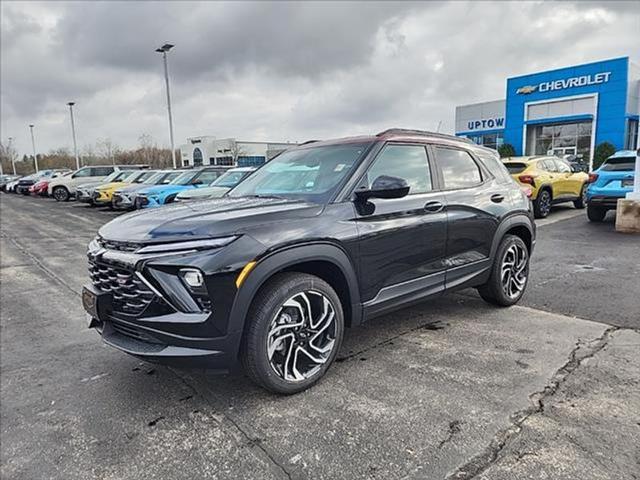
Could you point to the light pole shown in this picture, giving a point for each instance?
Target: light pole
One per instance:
(13, 160)
(73, 133)
(163, 50)
(33, 144)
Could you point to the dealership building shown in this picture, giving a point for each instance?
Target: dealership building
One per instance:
(209, 150)
(568, 111)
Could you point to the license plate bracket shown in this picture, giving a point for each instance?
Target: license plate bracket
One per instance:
(96, 303)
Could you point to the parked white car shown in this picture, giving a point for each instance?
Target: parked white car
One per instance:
(63, 188)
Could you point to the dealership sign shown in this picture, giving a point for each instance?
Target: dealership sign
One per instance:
(581, 81)
(486, 123)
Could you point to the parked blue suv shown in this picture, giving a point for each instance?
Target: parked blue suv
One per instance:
(158, 195)
(613, 180)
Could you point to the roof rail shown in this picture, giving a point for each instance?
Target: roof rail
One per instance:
(307, 142)
(408, 131)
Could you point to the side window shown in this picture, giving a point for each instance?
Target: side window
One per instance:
(563, 167)
(459, 169)
(404, 161)
(550, 166)
(495, 166)
(83, 172)
(101, 171)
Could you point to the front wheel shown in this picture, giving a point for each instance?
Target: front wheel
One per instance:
(61, 194)
(581, 202)
(509, 274)
(596, 214)
(295, 330)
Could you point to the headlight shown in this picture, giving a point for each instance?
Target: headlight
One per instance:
(188, 245)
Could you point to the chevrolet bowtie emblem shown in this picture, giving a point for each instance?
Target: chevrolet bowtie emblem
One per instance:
(527, 89)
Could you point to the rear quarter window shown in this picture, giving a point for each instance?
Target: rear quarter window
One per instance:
(493, 163)
(619, 164)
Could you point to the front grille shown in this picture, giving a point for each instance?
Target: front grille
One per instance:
(142, 201)
(119, 246)
(130, 294)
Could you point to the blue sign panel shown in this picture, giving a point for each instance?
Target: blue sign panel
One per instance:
(609, 79)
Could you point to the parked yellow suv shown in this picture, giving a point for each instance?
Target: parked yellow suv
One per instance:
(552, 180)
(103, 194)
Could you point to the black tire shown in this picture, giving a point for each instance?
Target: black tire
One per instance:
(596, 214)
(493, 291)
(264, 308)
(542, 204)
(61, 194)
(581, 202)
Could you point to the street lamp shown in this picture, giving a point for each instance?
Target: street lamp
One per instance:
(73, 133)
(163, 50)
(13, 160)
(33, 144)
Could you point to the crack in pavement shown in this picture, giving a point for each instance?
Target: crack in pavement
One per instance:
(482, 461)
(251, 442)
(39, 264)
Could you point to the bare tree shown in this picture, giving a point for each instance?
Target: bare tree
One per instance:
(107, 149)
(8, 157)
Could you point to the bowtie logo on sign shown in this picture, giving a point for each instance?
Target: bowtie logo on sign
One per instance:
(581, 81)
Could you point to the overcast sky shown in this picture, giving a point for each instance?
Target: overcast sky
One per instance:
(281, 71)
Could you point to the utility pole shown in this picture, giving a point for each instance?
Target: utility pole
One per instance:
(163, 50)
(73, 133)
(33, 144)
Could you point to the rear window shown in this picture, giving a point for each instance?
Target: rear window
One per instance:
(619, 164)
(515, 167)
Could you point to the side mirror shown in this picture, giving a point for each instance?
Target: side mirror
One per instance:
(385, 186)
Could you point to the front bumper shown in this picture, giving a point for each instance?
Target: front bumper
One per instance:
(101, 198)
(84, 196)
(142, 201)
(144, 311)
(123, 201)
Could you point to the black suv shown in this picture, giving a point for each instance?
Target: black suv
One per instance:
(325, 236)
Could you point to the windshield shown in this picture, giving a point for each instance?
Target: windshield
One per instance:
(153, 178)
(169, 177)
(311, 174)
(144, 175)
(229, 179)
(619, 164)
(183, 179)
(131, 177)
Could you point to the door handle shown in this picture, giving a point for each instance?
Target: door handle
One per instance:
(497, 198)
(434, 206)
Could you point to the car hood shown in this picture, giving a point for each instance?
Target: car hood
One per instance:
(111, 186)
(204, 192)
(135, 187)
(84, 186)
(163, 189)
(206, 219)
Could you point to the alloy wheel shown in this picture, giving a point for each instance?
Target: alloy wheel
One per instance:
(301, 336)
(545, 203)
(514, 270)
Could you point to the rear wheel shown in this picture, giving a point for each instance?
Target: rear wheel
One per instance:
(61, 194)
(596, 214)
(542, 204)
(509, 274)
(295, 330)
(582, 201)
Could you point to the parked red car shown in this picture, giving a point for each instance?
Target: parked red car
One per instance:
(40, 188)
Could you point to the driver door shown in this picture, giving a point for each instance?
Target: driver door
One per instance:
(402, 240)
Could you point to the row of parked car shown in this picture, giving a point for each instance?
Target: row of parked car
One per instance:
(550, 180)
(547, 180)
(127, 187)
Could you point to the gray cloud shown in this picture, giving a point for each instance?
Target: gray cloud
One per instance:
(280, 70)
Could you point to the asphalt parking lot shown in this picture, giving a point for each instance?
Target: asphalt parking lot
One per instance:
(452, 388)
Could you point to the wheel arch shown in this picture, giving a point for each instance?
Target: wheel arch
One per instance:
(520, 225)
(323, 259)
